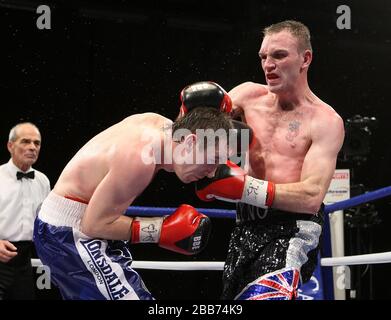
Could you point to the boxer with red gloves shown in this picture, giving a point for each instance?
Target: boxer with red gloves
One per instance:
(298, 137)
(81, 232)
(185, 231)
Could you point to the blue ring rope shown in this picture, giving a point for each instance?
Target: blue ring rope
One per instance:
(231, 214)
(219, 213)
(158, 212)
(363, 198)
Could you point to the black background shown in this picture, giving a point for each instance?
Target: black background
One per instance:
(105, 60)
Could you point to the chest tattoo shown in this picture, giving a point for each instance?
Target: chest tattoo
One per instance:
(293, 130)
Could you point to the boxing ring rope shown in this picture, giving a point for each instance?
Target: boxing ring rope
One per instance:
(373, 258)
(355, 201)
(231, 214)
(160, 211)
(364, 259)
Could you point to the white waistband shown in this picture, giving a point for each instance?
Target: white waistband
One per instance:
(61, 212)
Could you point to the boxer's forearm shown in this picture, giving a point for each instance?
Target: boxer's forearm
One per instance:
(118, 229)
(298, 197)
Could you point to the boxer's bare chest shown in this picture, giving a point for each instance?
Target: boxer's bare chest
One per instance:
(283, 138)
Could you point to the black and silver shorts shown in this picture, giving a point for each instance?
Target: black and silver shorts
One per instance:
(267, 240)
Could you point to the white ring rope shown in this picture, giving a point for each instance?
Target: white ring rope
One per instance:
(373, 258)
(179, 265)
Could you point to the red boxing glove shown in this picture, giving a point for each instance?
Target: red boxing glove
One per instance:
(227, 184)
(204, 94)
(231, 184)
(186, 231)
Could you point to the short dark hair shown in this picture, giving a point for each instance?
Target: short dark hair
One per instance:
(296, 28)
(205, 118)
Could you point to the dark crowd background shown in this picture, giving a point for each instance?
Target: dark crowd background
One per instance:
(102, 61)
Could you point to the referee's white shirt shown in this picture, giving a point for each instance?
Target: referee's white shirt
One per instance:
(19, 200)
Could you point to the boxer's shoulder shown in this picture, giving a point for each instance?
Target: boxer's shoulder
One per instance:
(321, 111)
(249, 89)
(141, 129)
(326, 121)
(246, 94)
(144, 119)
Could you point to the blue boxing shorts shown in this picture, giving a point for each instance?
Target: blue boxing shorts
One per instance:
(83, 268)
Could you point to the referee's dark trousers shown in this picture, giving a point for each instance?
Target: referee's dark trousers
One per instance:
(16, 276)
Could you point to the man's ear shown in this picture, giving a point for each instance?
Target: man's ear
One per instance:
(190, 141)
(307, 59)
(9, 146)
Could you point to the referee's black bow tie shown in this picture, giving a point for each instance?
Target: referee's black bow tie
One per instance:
(27, 175)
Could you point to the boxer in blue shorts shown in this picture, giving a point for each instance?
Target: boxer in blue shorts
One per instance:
(81, 232)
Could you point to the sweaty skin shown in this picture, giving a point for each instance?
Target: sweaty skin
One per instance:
(109, 172)
(297, 135)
